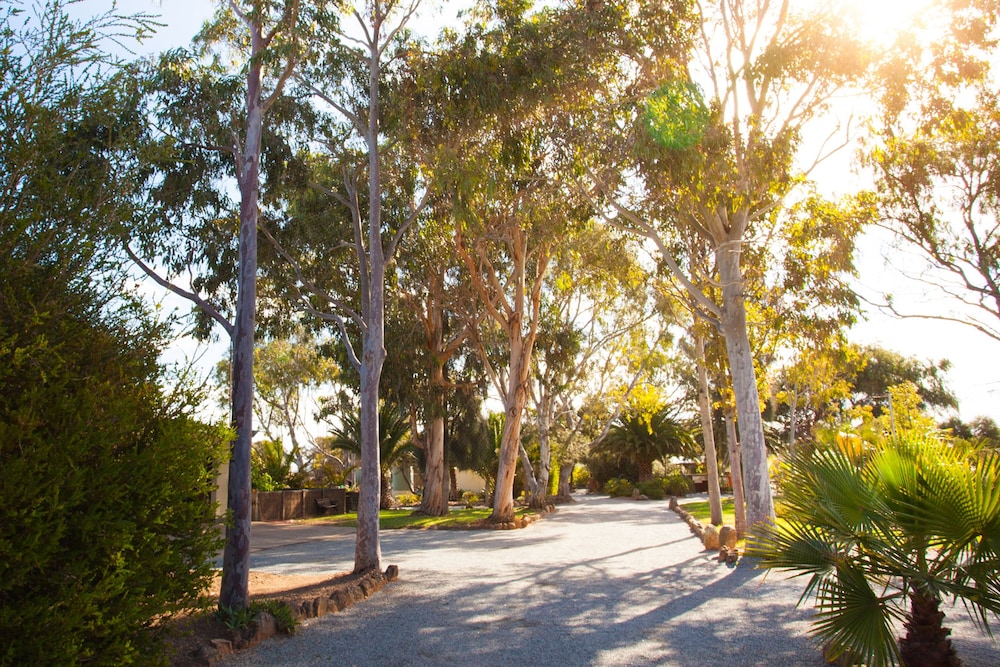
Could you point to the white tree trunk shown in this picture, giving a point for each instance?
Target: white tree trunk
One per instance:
(368, 552)
(708, 433)
(735, 460)
(234, 588)
(757, 483)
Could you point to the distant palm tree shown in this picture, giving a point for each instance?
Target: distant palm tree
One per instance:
(394, 442)
(269, 458)
(886, 535)
(643, 438)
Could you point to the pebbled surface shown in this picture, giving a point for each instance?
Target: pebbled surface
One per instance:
(603, 582)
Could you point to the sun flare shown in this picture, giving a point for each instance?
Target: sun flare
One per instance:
(882, 21)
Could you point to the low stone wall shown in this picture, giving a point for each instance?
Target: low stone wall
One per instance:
(294, 504)
(265, 625)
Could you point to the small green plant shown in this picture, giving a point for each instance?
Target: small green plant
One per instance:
(581, 477)
(238, 618)
(618, 487)
(652, 489)
(282, 613)
(407, 499)
(677, 484)
(470, 498)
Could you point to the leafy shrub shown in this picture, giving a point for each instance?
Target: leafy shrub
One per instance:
(470, 498)
(618, 487)
(652, 489)
(104, 481)
(581, 477)
(236, 618)
(886, 535)
(677, 484)
(408, 499)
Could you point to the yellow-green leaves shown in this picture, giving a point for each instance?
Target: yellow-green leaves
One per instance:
(676, 115)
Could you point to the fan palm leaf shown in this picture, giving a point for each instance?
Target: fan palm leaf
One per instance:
(887, 535)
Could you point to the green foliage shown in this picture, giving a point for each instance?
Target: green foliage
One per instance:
(676, 115)
(581, 477)
(237, 618)
(104, 480)
(676, 484)
(270, 465)
(913, 518)
(652, 489)
(618, 487)
(644, 436)
(470, 498)
(407, 499)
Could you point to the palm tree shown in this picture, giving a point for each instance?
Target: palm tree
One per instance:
(394, 442)
(643, 438)
(268, 457)
(885, 536)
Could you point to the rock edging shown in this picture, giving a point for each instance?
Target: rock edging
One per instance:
(723, 538)
(265, 626)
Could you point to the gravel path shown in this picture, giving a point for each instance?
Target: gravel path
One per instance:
(602, 582)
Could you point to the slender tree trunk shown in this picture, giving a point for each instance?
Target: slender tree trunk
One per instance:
(926, 643)
(234, 588)
(510, 440)
(435, 498)
(368, 551)
(757, 482)
(792, 405)
(516, 395)
(736, 462)
(538, 484)
(708, 433)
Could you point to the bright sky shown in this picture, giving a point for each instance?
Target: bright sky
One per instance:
(975, 373)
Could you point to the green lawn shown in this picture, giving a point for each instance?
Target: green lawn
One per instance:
(699, 510)
(405, 518)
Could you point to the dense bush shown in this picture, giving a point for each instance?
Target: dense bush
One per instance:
(581, 477)
(652, 489)
(407, 499)
(676, 484)
(104, 480)
(618, 487)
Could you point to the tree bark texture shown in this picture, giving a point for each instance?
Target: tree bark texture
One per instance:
(708, 434)
(757, 483)
(368, 552)
(234, 588)
(510, 440)
(435, 499)
(736, 463)
(565, 490)
(538, 484)
(926, 643)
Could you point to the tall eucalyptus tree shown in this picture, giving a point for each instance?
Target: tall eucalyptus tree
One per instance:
(208, 140)
(339, 239)
(719, 164)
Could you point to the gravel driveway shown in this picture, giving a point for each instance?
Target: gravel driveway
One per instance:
(602, 582)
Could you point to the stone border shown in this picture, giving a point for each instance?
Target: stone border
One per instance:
(265, 625)
(723, 539)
